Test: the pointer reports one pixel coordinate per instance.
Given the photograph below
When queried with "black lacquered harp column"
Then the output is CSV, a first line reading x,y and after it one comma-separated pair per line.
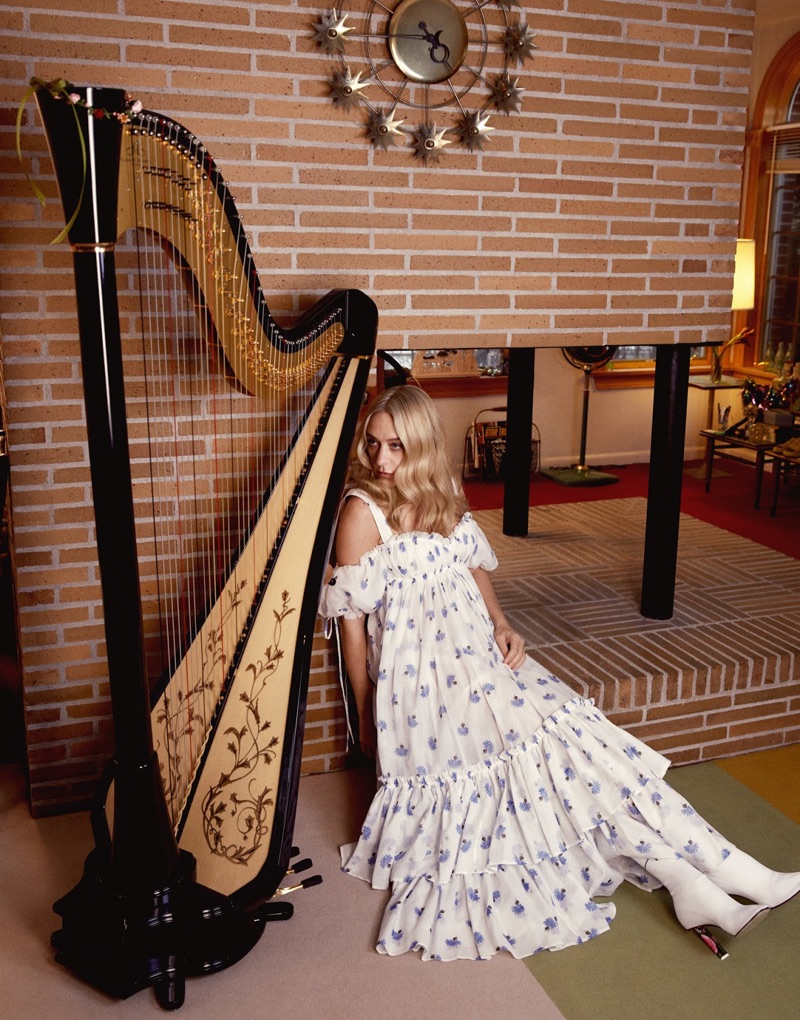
x,y
90,186
168,892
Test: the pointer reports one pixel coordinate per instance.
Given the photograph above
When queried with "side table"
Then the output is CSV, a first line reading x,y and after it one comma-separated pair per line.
x,y
719,443
782,465
705,382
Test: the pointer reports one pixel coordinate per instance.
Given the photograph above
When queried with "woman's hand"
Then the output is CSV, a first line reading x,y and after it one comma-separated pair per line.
x,y
512,645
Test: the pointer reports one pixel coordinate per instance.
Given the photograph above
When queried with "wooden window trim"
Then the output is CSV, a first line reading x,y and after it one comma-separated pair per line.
x,y
771,108
642,374
454,386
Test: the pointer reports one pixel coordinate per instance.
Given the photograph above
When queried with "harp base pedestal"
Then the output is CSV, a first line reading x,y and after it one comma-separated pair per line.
x,y
121,944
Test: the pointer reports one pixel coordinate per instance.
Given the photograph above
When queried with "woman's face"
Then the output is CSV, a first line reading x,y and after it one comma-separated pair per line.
x,y
384,448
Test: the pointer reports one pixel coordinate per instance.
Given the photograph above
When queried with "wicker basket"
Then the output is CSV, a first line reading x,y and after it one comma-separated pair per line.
x,y
496,451
485,446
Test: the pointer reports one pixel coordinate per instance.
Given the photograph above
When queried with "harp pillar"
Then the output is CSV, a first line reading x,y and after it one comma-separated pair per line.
x,y
135,918
93,147
145,912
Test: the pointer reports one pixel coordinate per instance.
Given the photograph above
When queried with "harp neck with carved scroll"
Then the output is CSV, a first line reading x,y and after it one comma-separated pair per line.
x,y
211,550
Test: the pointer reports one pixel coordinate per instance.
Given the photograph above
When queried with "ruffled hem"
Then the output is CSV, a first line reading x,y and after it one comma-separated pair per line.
x,y
475,917
519,806
514,833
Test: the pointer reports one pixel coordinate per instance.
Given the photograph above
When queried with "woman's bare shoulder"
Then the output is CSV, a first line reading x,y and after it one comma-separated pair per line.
x,y
355,510
357,532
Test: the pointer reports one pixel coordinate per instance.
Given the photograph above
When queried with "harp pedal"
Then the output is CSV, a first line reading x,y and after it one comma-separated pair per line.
x,y
303,865
306,883
294,869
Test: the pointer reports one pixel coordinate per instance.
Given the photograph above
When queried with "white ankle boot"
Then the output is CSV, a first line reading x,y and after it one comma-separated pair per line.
x,y
699,902
741,875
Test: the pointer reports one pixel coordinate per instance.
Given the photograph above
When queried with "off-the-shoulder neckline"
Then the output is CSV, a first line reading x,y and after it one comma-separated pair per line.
x,y
466,516
433,534
366,498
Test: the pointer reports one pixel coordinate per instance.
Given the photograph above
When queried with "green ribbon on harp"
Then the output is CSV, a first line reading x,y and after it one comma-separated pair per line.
x,y
58,89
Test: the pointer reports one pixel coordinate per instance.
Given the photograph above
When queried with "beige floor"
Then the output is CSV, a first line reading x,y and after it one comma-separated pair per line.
x,y
319,964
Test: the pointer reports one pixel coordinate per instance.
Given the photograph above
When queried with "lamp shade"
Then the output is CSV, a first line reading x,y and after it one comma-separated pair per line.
x,y
744,275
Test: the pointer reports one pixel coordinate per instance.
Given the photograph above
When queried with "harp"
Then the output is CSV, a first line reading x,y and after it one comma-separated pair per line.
x,y
212,536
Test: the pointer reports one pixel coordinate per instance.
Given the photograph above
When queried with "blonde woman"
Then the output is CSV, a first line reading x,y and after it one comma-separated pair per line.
x,y
505,802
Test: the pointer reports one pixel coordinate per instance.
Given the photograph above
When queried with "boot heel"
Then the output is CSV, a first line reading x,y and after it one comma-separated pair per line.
x,y
713,944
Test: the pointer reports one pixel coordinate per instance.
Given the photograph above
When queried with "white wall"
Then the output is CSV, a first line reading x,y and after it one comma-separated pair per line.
x,y
619,420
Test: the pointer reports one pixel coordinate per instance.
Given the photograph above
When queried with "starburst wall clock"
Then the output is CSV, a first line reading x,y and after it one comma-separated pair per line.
x,y
428,73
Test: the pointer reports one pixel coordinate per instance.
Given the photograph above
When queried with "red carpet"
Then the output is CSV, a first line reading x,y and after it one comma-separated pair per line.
x,y
728,505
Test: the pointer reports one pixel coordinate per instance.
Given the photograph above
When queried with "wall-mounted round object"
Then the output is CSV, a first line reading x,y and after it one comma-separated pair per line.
x,y
450,61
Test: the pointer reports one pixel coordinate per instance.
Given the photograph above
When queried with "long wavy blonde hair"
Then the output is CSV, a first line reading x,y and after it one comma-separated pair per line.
x,y
424,480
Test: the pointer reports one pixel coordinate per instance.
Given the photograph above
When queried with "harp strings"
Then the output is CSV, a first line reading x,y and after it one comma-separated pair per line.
x,y
183,408
206,450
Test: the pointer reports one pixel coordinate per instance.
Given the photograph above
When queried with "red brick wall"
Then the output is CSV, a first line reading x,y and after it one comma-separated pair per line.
x,y
609,203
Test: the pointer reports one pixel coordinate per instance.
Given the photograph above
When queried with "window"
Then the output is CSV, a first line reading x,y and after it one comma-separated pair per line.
x,y
466,372
636,367
771,214
478,361
780,312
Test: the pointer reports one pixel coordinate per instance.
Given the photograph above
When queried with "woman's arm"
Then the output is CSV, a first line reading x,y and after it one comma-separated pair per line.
x,y
354,650
510,642
356,534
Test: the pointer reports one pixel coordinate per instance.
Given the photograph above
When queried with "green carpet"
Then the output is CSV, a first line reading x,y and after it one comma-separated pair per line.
x,y
648,968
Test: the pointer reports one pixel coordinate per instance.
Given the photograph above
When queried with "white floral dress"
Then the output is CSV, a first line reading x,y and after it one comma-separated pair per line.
x,y
505,802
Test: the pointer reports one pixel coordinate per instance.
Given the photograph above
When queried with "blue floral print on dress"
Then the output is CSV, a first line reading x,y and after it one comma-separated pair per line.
x,y
512,796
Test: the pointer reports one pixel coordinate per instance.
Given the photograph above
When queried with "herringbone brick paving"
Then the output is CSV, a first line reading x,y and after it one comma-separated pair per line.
x,y
721,677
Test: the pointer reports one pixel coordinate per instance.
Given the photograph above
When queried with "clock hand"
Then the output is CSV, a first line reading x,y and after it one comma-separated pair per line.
x,y
436,45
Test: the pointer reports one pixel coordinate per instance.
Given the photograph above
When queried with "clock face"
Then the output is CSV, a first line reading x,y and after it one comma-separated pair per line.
x,y
428,39
427,73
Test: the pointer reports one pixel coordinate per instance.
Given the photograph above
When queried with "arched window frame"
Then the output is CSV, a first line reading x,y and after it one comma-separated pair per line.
x,y
776,96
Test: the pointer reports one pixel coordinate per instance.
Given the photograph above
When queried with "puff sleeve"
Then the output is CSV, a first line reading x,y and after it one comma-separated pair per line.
x,y
478,551
354,590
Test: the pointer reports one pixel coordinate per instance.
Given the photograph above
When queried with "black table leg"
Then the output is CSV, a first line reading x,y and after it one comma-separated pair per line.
x,y
519,414
709,462
759,476
670,398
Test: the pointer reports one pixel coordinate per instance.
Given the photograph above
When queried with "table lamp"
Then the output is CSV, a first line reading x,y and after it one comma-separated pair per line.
x,y
742,299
